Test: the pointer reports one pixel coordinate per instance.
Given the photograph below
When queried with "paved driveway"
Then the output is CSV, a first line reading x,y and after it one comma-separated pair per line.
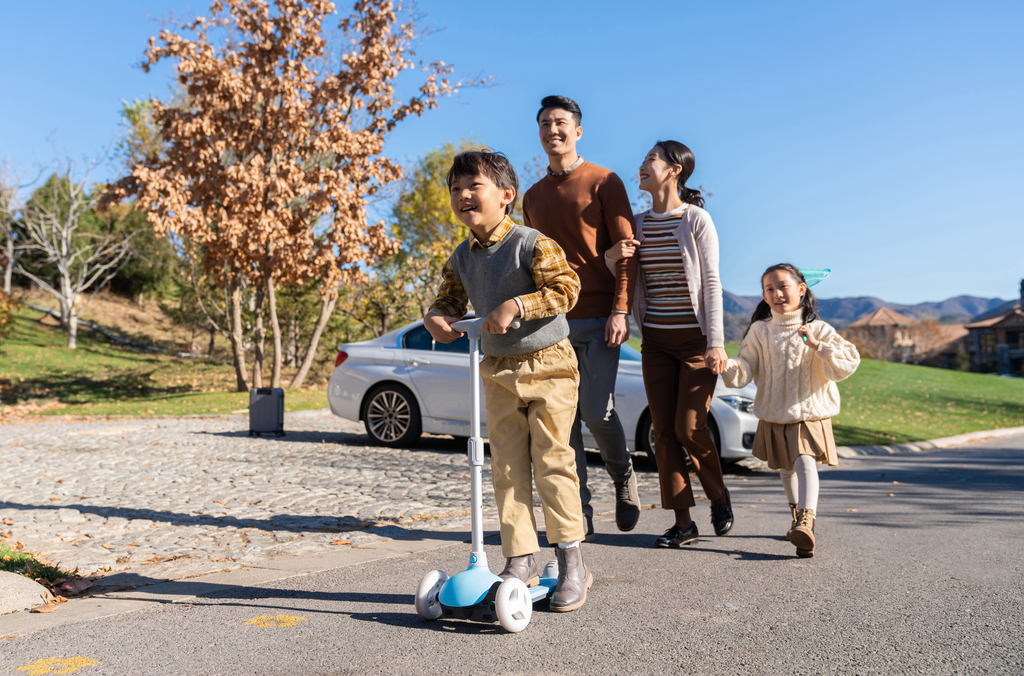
x,y
177,497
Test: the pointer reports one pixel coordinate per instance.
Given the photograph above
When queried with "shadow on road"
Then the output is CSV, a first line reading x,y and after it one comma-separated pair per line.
x,y
283,522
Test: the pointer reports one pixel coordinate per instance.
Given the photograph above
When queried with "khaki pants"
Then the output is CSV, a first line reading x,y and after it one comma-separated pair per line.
x,y
531,402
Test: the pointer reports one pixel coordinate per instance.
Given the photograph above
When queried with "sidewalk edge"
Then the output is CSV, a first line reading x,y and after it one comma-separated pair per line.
x,y
919,446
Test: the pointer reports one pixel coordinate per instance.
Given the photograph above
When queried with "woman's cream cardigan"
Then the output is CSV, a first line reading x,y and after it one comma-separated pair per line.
x,y
794,382
698,242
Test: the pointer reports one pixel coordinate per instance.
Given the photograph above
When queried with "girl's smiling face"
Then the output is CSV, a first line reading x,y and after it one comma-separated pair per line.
x,y
782,291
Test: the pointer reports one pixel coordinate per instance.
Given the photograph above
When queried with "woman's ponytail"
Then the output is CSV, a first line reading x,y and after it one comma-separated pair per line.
x,y
677,153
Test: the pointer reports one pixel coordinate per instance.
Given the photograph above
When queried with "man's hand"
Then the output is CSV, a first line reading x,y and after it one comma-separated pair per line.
x,y
616,330
440,329
501,317
716,359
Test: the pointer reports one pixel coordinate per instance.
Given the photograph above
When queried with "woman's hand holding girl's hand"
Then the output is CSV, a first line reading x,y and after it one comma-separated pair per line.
x,y
716,359
624,248
805,333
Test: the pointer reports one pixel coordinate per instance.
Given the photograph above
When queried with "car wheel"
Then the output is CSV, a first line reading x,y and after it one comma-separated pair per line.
x,y
392,416
715,436
645,438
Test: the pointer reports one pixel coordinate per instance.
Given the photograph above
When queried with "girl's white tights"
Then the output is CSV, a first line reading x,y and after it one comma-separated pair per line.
x,y
801,483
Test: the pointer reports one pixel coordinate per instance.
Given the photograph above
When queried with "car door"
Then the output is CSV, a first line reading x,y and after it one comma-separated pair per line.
x,y
440,374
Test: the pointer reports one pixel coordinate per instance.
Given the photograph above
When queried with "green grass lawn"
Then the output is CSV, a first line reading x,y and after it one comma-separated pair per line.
x,y
39,374
886,403
17,560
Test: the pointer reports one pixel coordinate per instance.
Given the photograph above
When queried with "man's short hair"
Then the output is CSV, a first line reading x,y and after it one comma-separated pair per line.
x,y
493,165
563,102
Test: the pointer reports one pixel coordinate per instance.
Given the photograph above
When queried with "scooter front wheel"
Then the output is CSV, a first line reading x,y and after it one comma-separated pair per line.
x,y
427,605
513,605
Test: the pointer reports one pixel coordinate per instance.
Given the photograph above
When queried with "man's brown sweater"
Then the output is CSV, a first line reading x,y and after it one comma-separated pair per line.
x,y
586,211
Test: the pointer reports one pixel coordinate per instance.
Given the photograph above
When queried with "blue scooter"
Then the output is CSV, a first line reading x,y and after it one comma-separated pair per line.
x,y
476,593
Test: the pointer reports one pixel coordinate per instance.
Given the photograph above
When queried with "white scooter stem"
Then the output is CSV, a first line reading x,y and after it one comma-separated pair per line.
x,y
474,328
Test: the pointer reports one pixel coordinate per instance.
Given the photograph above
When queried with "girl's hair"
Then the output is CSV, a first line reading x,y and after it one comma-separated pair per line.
x,y
484,162
676,153
763,311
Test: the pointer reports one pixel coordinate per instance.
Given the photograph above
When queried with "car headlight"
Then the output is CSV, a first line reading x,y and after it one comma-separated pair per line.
x,y
745,404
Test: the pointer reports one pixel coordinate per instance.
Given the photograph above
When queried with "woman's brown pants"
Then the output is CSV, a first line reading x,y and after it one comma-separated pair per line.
x,y
679,389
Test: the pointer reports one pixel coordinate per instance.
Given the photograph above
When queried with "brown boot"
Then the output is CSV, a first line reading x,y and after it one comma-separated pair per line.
x,y
573,580
523,568
792,509
803,535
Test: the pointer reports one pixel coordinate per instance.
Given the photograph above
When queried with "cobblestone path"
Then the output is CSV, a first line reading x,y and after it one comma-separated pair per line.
x,y
173,497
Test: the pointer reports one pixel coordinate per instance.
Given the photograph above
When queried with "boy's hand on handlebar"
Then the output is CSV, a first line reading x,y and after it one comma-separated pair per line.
x,y
624,248
439,327
501,317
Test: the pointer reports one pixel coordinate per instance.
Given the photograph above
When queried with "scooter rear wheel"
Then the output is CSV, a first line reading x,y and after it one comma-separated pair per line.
x,y
427,605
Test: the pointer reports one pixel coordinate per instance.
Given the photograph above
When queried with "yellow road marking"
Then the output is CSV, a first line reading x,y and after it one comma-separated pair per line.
x,y
276,620
58,665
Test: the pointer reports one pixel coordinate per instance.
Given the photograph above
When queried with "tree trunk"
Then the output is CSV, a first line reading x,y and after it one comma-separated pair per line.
x,y
9,267
275,328
72,331
325,314
237,346
261,333
213,339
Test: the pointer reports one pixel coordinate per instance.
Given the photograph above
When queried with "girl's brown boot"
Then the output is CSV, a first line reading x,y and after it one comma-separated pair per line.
x,y
792,509
803,534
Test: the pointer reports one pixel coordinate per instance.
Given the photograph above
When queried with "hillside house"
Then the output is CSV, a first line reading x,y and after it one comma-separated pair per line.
x,y
996,339
890,336
883,334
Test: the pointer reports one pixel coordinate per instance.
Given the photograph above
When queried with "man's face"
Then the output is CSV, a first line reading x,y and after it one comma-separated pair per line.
x,y
558,132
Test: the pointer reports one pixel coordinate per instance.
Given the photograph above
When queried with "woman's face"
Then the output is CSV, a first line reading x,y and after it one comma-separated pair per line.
x,y
656,171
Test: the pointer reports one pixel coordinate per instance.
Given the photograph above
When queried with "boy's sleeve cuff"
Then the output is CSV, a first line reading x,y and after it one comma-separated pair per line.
x,y
522,308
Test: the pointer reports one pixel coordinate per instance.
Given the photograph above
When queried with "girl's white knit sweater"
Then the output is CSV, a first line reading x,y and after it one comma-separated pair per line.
x,y
794,382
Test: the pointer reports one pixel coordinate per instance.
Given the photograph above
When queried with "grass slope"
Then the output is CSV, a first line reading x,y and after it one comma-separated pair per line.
x,y
39,375
885,403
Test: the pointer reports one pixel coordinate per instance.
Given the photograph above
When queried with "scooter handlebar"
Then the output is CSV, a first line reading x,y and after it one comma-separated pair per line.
x,y
474,327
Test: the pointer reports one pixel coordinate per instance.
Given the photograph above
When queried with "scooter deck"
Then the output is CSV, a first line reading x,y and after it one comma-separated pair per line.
x,y
543,590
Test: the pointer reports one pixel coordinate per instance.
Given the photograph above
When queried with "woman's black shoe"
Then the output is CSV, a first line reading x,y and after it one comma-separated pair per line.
x,y
721,516
676,536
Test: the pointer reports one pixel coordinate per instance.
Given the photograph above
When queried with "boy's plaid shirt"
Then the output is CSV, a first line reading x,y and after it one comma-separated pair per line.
x,y
558,287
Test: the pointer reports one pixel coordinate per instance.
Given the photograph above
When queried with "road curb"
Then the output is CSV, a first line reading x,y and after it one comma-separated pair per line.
x,y
188,589
919,446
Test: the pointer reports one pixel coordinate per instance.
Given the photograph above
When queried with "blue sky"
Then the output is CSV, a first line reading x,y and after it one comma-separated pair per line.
x,y
884,140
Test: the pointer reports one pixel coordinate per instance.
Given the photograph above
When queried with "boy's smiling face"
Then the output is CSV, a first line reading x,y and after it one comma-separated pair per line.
x,y
480,204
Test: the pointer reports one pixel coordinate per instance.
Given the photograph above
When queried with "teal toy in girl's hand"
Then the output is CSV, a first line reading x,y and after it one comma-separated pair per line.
x,y
814,276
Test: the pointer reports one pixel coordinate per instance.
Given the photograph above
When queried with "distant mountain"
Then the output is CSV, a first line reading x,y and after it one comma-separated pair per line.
x,y
840,312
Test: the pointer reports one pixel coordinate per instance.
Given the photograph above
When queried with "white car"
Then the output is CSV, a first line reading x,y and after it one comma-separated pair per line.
x,y
404,383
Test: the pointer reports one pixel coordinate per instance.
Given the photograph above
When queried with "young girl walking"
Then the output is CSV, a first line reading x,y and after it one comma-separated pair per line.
x,y
795,359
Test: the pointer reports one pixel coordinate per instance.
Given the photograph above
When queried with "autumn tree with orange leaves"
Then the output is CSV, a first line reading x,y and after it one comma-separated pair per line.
x,y
269,165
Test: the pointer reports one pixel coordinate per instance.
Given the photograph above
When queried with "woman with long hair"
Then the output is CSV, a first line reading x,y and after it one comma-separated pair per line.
x,y
678,307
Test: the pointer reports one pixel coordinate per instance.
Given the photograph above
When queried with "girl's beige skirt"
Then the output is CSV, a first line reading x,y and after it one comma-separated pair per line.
x,y
779,444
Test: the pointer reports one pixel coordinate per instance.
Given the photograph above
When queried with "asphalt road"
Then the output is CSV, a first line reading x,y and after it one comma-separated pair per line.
x,y
918,570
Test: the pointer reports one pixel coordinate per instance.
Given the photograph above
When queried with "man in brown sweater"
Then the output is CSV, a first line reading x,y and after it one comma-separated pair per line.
x,y
585,208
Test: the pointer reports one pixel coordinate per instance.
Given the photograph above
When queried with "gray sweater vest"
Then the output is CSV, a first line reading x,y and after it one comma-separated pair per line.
x,y
501,272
